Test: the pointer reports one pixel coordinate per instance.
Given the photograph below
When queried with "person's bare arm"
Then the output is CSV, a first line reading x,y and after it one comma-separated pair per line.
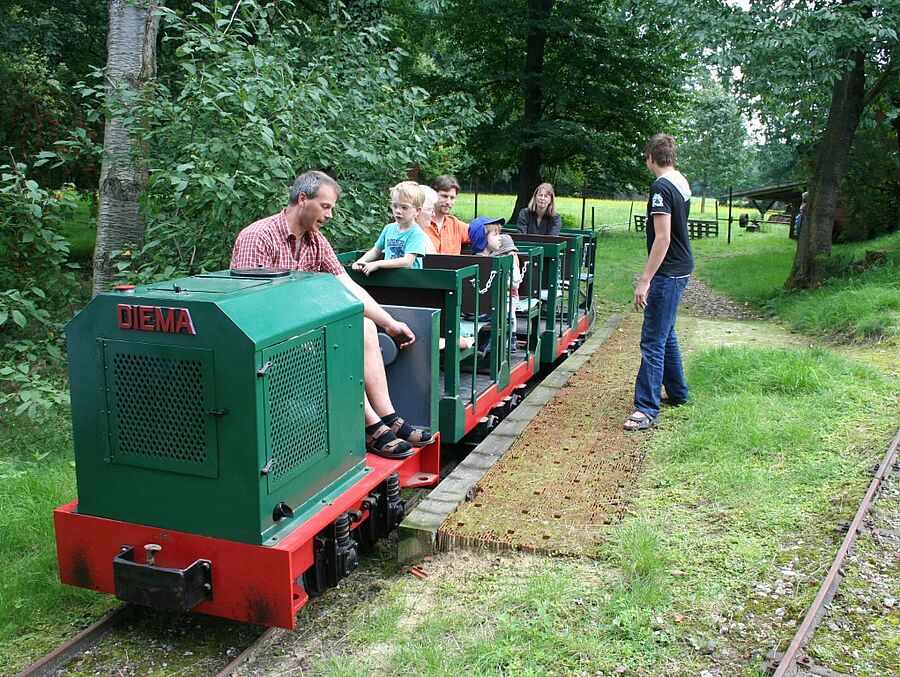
x,y
370,255
405,261
662,228
377,314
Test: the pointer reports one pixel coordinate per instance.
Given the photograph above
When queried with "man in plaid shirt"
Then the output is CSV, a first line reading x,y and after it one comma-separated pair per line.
x,y
291,239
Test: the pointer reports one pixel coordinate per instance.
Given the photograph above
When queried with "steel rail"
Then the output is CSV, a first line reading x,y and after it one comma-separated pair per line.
x,y
50,665
787,666
84,640
248,653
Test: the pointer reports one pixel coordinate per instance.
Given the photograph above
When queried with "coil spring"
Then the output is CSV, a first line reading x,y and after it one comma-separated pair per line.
x,y
342,530
392,485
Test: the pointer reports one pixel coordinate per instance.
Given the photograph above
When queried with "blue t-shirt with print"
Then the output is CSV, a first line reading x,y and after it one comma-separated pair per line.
x,y
396,243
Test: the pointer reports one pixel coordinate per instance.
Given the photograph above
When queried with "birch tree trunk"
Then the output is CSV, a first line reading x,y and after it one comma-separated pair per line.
x,y
131,62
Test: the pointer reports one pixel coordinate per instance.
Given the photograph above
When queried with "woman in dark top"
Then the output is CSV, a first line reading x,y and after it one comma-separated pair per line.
x,y
540,217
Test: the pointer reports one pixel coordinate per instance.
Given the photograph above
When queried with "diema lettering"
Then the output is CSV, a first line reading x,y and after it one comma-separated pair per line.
x,y
155,318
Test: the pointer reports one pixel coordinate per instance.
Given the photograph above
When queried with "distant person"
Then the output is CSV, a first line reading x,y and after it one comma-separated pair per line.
x,y
291,239
426,215
798,220
402,242
540,217
661,285
448,234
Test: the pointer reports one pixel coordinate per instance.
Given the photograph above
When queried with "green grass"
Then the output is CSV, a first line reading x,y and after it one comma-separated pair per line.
x,y
859,305
36,475
606,212
773,450
81,232
560,617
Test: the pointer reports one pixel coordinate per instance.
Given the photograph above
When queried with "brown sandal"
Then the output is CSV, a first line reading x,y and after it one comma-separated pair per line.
x,y
418,437
383,442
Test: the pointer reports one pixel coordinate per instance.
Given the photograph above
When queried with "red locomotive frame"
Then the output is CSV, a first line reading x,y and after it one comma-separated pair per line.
x,y
251,583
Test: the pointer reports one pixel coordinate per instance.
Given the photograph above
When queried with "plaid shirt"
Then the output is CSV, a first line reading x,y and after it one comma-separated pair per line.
x,y
270,243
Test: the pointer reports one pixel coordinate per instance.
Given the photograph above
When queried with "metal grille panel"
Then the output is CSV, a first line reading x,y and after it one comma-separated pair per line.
x,y
296,399
160,410
159,398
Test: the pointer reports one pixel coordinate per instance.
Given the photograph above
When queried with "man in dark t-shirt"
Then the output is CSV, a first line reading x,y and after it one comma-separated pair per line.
x,y
661,285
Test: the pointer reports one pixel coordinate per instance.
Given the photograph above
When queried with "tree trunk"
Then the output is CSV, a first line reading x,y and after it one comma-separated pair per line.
x,y
814,243
533,91
131,62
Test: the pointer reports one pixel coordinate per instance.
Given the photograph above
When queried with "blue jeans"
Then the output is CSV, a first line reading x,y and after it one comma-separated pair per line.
x,y
660,357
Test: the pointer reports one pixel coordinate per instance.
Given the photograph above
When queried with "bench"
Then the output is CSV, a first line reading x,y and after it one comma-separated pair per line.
x,y
697,228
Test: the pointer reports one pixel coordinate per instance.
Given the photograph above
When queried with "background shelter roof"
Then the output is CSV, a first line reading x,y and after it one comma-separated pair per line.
x,y
781,192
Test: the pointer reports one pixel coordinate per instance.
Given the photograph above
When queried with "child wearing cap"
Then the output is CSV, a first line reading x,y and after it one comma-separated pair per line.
x,y
500,244
402,242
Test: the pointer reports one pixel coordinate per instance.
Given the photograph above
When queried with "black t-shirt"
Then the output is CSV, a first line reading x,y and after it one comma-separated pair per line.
x,y
667,198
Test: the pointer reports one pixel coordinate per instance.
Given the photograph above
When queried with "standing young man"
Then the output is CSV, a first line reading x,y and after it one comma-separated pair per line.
x,y
447,233
660,287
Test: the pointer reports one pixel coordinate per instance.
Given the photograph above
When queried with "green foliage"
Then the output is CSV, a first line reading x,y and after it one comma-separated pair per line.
x,y
791,53
784,60
608,82
45,47
570,221
35,278
712,148
871,187
263,96
776,161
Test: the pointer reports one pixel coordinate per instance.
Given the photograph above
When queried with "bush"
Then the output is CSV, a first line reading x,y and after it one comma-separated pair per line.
x,y
569,221
261,98
35,277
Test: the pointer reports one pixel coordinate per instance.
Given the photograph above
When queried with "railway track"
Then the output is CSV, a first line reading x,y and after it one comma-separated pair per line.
x,y
57,660
793,662
80,643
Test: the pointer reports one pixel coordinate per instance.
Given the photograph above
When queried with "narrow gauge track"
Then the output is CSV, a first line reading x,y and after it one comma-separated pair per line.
x,y
80,643
789,663
51,664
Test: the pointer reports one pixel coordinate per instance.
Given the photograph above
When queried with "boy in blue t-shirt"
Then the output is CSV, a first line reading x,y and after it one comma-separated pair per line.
x,y
402,242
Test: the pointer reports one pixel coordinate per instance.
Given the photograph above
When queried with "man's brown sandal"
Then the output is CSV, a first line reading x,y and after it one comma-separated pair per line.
x,y
418,437
383,442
